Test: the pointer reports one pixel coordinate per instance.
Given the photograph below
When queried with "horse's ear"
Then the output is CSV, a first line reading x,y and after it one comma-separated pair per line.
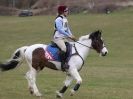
x,y
95,34
91,36
98,33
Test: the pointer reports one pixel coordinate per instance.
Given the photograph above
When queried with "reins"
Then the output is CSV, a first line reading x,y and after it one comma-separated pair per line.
x,y
82,44
79,43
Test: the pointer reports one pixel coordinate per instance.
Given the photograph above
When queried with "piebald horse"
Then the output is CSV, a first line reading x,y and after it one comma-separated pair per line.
x,y
36,59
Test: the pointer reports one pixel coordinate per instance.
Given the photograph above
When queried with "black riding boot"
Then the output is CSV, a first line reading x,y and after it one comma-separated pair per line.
x,y
64,66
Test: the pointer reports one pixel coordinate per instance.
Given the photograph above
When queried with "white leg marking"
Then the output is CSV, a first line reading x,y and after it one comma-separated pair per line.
x,y
31,77
59,95
75,75
27,76
68,80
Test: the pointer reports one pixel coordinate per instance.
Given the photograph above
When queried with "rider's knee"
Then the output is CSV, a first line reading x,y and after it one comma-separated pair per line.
x,y
63,49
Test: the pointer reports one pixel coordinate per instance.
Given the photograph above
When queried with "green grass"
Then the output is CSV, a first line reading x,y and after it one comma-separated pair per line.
x,y
109,77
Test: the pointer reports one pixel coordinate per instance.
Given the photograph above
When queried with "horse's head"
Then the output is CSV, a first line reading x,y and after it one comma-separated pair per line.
x,y
97,42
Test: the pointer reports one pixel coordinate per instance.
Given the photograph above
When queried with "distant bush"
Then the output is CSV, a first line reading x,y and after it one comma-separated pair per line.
x,y
8,11
79,6
41,7
104,8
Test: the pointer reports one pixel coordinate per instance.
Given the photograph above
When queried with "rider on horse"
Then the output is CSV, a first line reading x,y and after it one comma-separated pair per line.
x,y
62,33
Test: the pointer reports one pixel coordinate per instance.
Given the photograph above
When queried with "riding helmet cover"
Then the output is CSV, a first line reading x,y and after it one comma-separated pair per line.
x,y
62,9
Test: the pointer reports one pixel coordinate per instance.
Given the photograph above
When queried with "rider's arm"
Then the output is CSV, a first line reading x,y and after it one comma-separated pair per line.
x,y
59,26
69,31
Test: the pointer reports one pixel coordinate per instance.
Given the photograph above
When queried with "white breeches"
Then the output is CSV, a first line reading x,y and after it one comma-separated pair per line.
x,y
60,43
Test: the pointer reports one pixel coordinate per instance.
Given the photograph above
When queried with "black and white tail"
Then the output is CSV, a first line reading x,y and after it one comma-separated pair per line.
x,y
16,60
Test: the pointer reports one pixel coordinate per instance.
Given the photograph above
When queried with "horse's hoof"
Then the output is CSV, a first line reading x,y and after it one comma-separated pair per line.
x,y
38,94
59,95
72,92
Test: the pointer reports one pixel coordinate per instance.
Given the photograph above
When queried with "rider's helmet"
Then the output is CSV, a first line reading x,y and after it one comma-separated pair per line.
x,y
62,9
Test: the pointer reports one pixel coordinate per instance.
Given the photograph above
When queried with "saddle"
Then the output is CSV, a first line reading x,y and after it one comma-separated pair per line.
x,y
53,52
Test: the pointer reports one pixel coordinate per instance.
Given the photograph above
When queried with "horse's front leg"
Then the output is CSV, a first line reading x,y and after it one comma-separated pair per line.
x,y
67,83
75,75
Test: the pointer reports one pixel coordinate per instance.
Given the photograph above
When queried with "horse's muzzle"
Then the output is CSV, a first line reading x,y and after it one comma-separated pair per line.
x,y
104,54
104,51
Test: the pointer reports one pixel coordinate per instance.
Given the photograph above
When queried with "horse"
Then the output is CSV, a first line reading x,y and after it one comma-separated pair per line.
x,y
37,58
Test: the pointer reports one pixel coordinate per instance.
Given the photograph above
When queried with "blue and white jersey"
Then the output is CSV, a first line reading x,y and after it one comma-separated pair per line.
x,y
62,29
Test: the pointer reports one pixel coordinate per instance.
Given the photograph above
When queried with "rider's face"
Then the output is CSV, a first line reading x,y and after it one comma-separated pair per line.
x,y
66,13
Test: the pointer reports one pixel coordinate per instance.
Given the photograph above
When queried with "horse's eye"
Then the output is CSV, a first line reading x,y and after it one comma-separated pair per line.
x,y
97,40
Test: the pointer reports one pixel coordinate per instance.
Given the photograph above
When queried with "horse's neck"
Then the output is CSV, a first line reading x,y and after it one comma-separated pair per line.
x,y
83,50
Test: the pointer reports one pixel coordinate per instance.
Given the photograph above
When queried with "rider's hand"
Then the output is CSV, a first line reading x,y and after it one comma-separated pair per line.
x,y
73,38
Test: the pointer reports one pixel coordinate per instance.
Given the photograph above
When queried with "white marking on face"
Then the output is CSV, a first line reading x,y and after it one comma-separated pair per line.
x,y
104,51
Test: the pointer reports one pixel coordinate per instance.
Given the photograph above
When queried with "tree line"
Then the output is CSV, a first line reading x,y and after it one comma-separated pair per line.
x,y
17,3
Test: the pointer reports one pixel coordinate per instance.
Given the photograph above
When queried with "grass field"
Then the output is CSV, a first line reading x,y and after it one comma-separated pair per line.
x,y
109,77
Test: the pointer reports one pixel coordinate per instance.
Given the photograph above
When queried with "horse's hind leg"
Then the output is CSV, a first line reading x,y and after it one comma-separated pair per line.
x,y
31,78
67,83
28,77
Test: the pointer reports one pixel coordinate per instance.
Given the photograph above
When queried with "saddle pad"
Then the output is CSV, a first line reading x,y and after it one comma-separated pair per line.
x,y
52,53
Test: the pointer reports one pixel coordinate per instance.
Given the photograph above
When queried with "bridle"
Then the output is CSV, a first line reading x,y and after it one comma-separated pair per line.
x,y
77,53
